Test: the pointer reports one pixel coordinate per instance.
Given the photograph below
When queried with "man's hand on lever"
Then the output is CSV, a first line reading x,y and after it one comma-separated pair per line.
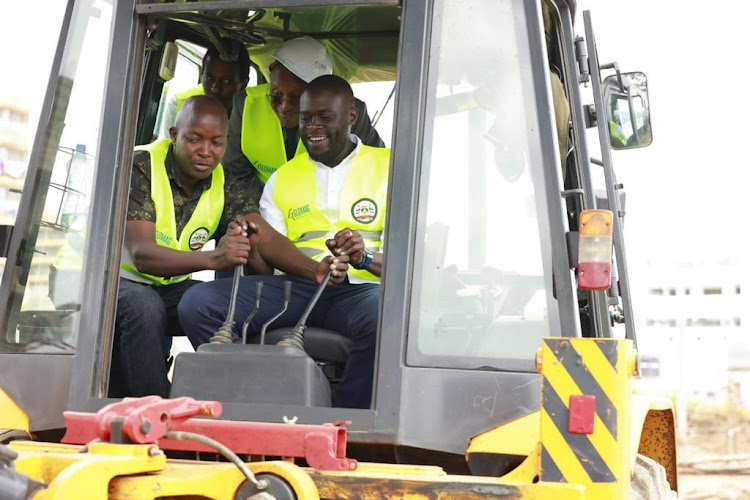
x,y
273,250
350,242
248,229
233,249
251,232
339,266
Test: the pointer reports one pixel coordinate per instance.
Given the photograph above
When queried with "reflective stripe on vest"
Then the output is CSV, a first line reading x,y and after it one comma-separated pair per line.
x,y
185,94
262,138
197,231
362,203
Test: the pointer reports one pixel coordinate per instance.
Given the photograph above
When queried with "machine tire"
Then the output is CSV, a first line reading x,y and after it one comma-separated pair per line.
x,y
649,481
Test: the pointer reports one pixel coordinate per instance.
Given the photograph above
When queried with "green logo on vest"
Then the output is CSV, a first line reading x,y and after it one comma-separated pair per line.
x,y
295,213
263,167
198,239
165,239
364,210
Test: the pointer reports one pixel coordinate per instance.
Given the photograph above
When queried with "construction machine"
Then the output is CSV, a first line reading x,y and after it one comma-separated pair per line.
x,y
506,339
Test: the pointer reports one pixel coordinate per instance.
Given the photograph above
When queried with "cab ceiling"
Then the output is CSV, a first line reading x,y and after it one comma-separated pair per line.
x,y
362,40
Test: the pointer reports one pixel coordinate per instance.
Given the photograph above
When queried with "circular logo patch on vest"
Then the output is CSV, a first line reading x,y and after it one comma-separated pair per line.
x,y
198,238
364,210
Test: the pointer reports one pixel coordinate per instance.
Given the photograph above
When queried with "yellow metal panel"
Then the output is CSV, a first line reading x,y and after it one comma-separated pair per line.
x,y
528,471
140,472
208,480
518,437
86,475
564,385
40,447
400,469
12,417
601,368
560,452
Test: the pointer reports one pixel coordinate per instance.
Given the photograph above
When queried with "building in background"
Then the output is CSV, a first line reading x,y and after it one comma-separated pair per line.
x,y
14,154
692,342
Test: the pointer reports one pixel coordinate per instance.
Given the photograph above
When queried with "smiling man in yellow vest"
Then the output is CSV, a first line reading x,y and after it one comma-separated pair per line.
x,y
329,200
263,129
179,197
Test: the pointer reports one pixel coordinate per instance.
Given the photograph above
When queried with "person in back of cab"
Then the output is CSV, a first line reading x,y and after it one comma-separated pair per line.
x,y
219,78
329,200
180,197
263,130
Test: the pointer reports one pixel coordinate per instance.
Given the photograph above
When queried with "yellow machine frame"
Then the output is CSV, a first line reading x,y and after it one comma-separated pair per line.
x,y
561,463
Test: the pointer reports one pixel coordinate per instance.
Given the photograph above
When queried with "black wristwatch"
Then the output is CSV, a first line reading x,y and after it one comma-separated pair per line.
x,y
366,261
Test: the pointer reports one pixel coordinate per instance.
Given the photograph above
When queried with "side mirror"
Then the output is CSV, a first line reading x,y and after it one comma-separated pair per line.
x,y
628,113
168,61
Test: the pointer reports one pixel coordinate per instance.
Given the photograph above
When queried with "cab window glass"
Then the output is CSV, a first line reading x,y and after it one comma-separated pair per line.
x,y
46,298
378,96
186,77
483,299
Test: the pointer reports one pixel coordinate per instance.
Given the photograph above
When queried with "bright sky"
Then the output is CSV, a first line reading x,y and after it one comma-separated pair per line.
x,y
26,59
684,191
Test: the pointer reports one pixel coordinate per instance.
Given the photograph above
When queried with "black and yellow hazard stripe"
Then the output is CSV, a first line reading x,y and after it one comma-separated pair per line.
x,y
595,367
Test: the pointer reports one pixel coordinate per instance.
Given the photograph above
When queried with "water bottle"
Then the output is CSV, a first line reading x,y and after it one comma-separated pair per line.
x,y
75,205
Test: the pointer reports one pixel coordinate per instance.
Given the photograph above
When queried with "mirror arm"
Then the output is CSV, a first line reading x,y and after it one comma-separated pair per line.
x,y
614,66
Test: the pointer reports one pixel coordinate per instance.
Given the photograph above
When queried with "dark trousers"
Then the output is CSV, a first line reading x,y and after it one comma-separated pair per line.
x,y
350,310
146,319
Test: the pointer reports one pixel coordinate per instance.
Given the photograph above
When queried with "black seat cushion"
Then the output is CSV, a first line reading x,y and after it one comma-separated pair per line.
x,y
320,344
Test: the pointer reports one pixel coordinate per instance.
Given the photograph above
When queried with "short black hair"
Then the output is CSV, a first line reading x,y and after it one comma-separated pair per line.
x,y
334,84
238,54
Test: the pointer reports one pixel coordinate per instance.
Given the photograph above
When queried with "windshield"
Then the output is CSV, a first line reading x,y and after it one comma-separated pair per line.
x,y
46,283
483,296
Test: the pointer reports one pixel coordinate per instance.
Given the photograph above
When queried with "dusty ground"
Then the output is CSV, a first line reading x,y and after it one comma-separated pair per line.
x,y
715,434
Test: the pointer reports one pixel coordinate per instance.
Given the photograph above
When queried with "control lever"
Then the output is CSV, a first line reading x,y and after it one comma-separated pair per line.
x,y
224,334
258,290
287,299
296,336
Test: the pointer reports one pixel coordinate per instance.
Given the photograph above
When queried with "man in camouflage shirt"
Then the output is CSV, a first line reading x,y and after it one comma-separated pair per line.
x,y
179,197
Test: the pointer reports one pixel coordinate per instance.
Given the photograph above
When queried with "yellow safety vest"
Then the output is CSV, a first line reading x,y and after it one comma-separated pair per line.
x,y
197,231
185,94
262,138
362,203
617,133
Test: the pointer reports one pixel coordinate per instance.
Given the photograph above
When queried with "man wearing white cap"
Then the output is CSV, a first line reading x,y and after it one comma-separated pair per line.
x,y
263,130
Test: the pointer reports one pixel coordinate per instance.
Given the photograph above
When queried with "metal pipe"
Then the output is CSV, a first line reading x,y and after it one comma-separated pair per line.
x,y
314,300
261,484
258,290
287,299
224,334
296,336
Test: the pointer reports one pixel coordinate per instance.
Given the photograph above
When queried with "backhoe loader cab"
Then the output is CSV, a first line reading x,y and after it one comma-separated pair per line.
x,y
482,105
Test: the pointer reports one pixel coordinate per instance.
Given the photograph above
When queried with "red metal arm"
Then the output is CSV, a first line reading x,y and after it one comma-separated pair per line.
x,y
323,446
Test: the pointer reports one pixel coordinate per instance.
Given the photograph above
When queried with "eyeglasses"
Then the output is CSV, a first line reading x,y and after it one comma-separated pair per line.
x,y
277,99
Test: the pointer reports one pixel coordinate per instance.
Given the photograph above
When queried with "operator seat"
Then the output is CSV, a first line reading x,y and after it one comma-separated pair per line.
x,y
320,344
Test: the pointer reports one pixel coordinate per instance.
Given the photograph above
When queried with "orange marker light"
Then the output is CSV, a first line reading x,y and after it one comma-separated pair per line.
x,y
594,249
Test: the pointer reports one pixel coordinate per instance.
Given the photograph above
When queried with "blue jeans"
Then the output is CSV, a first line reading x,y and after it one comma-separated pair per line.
x,y
146,320
351,310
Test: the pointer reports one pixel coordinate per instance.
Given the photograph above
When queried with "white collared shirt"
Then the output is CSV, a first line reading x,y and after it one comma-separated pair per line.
x,y
330,182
